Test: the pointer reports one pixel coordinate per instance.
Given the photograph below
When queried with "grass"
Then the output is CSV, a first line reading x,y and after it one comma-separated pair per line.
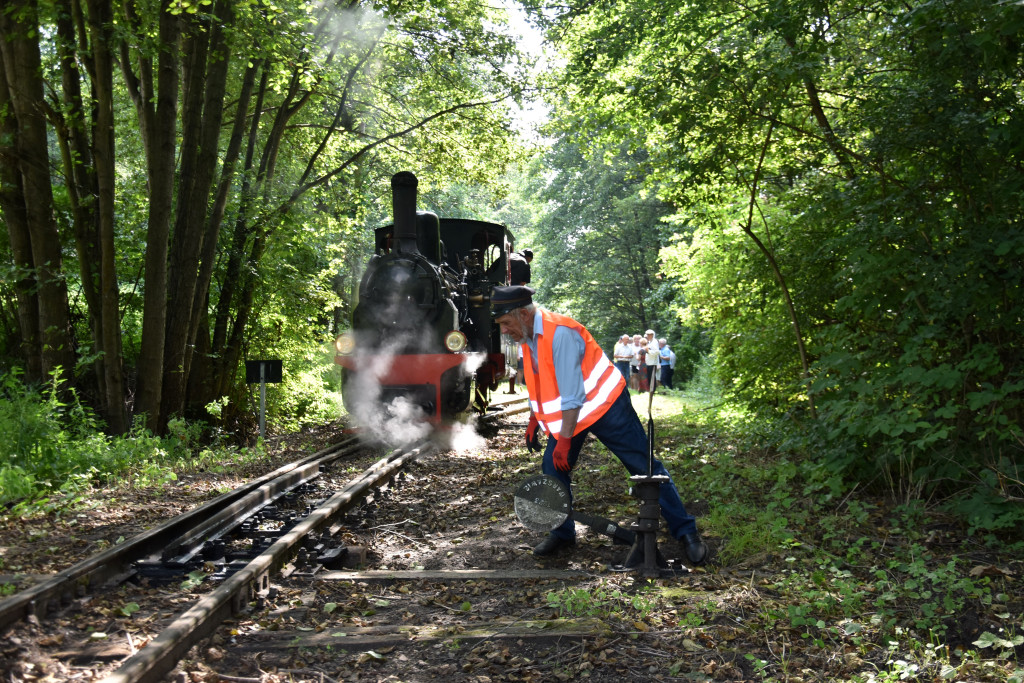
x,y
896,586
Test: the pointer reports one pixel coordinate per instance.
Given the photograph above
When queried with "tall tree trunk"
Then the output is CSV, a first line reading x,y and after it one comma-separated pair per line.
x,y
19,34
293,102
12,204
158,125
233,350
190,212
80,177
236,254
101,30
203,385
206,78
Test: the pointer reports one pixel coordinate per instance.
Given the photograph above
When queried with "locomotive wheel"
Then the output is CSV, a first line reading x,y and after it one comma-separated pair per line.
x,y
456,391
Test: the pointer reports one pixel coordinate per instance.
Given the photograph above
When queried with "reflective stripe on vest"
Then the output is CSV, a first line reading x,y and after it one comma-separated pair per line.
x,y
602,382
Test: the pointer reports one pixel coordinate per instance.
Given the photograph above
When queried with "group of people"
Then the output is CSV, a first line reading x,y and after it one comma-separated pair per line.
x,y
638,358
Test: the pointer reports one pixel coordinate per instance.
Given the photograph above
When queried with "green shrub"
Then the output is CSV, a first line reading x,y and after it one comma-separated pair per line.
x,y
308,395
50,444
41,434
15,483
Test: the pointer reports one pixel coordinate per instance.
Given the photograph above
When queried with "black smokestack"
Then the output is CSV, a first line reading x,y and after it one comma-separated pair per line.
x,y
403,200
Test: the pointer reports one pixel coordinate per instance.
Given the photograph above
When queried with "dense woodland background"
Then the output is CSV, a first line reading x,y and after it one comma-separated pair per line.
x,y
818,203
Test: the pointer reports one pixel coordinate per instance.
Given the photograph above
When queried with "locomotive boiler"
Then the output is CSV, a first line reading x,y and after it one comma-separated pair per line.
x,y
422,347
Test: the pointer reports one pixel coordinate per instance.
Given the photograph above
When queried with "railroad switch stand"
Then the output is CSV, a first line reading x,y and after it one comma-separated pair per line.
x,y
644,556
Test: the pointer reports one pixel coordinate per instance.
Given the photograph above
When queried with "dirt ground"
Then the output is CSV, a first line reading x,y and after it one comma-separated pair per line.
x,y
453,510
566,617
518,617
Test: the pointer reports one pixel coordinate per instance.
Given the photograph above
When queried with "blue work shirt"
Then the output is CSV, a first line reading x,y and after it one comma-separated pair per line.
x,y
567,355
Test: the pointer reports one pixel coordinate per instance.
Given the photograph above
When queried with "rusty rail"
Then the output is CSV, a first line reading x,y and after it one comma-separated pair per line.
x,y
161,655
115,562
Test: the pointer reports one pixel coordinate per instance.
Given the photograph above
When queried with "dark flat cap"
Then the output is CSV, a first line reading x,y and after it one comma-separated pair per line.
x,y
505,299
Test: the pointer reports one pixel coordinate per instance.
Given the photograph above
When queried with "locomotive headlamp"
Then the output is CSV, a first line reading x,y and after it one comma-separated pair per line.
x,y
345,344
455,341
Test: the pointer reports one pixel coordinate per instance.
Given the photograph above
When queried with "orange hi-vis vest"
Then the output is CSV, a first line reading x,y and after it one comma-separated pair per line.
x,y
602,381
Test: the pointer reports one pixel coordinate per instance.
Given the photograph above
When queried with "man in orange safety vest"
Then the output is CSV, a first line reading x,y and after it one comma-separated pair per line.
x,y
575,391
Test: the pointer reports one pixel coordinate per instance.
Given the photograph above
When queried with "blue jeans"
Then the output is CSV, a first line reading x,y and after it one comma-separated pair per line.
x,y
666,376
621,432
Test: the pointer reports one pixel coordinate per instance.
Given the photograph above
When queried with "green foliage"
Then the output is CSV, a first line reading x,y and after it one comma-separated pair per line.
x,y
867,163
16,483
600,602
703,386
899,590
53,450
44,437
309,397
598,243
996,642
193,580
341,98
129,608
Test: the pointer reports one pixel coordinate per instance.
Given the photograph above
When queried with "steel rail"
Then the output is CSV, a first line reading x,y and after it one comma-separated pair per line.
x,y
115,561
161,655
506,400
491,417
233,515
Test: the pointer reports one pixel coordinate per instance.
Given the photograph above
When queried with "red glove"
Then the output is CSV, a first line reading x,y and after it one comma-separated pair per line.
x,y
532,437
561,454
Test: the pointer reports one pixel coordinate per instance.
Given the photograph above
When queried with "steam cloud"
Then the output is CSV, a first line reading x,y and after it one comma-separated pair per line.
x,y
396,423
400,421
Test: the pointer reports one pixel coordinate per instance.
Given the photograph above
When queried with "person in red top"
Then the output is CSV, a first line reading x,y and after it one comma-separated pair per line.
x,y
575,391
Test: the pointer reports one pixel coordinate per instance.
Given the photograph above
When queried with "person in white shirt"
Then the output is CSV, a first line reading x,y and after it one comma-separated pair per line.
x,y
623,354
634,364
653,358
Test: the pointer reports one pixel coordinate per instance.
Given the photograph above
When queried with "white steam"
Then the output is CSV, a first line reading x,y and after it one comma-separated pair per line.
x,y
356,29
463,438
397,422
473,362
400,421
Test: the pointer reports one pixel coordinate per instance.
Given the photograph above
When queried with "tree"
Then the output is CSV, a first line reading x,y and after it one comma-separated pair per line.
x,y
269,123
601,235
28,197
848,170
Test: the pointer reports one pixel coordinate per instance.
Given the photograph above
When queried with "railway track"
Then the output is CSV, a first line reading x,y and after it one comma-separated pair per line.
x,y
505,406
207,520
230,597
447,583
200,539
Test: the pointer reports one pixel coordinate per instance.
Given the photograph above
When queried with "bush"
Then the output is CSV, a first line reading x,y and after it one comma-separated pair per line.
x,y
42,437
49,443
308,396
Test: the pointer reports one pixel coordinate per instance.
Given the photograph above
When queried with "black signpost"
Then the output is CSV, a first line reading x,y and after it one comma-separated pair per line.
x,y
264,372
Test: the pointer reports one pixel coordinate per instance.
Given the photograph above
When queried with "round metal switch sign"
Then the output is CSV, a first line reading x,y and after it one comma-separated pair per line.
x,y
542,503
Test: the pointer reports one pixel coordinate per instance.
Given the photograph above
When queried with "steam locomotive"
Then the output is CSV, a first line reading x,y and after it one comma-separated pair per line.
x,y
423,347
